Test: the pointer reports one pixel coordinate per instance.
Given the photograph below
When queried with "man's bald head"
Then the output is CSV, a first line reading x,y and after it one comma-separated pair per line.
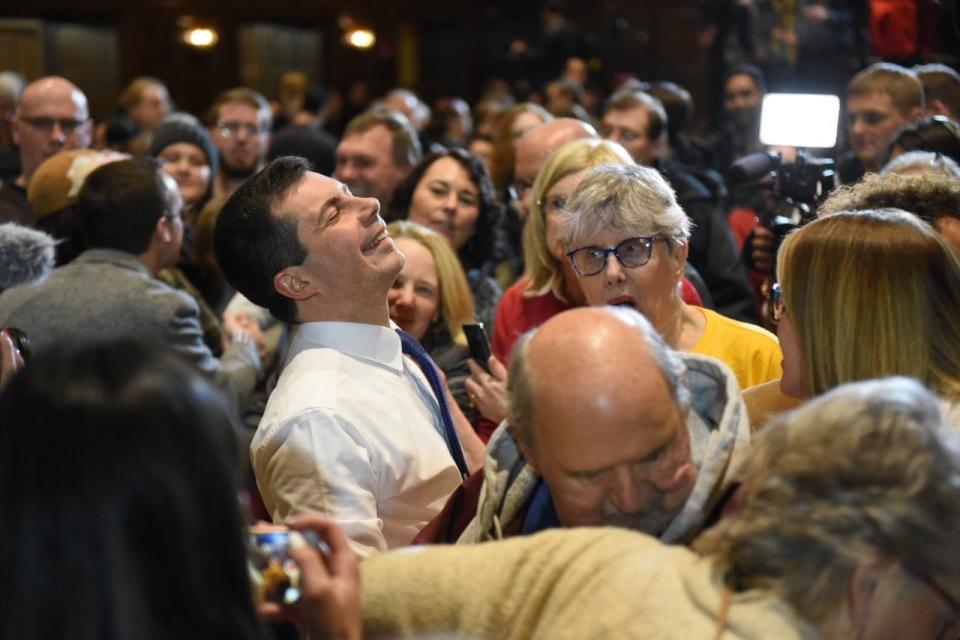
x,y
52,116
594,396
535,147
594,345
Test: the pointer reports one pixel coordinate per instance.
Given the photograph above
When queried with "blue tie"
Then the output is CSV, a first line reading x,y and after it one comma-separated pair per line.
x,y
413,349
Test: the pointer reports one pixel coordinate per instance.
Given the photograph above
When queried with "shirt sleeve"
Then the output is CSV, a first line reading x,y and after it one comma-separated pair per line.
x,y
316,462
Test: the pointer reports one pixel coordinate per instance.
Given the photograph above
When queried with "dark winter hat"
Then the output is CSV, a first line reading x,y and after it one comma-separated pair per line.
x,y
173,130
183,127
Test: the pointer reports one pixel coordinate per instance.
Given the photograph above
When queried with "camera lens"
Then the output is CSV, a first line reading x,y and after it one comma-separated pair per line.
x,y
20,341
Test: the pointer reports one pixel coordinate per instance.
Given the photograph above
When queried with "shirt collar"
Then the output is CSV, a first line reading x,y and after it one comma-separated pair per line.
x,y
370,342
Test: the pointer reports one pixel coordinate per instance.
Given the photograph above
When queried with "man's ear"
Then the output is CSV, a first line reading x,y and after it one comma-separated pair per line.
x,y
662,145
916,113
291,283
162,231
525,447
15,129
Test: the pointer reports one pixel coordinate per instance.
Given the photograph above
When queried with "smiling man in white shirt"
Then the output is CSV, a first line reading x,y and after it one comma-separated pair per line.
x,y
353,428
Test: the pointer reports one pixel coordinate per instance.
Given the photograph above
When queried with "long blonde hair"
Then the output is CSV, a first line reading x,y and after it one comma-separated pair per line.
x,y
456,301
873,293
541,267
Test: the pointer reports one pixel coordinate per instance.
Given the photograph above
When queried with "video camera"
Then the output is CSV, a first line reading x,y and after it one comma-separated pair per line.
x,y
801,184
785,194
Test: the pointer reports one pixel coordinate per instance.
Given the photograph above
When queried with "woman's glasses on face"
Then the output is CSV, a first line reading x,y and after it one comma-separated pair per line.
x,y
631,253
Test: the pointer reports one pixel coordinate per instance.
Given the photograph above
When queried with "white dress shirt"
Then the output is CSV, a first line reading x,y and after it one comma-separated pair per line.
x,y
351,430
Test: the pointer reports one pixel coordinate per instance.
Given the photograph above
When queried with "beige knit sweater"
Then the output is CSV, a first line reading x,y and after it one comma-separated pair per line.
x,y
572,583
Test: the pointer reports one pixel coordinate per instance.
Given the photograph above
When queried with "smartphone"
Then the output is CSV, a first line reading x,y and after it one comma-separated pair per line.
x,y
274,574
479,345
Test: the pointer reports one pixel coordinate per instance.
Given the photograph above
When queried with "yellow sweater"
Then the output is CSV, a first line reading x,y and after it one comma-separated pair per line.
x,y
563,583
751,352
765,402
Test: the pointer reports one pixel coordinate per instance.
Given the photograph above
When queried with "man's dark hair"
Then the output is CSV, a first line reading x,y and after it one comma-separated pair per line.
x,y
150,511
747,70
120,203
939,134
252,244
631,98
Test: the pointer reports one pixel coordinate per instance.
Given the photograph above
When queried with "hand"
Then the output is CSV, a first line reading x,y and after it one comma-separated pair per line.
x,y
329,605
11,360
760,246
234,323
488,391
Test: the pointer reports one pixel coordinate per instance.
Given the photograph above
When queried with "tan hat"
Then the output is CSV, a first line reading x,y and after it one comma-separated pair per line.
x,y
57,181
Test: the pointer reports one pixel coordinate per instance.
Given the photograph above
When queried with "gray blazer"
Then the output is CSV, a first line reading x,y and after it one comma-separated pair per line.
x,y
106,294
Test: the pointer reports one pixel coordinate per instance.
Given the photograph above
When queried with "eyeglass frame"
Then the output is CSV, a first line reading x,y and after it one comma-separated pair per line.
x,y
230,129
68,126
607,251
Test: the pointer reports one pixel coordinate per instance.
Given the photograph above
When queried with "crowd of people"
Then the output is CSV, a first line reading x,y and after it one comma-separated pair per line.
x,y
711,408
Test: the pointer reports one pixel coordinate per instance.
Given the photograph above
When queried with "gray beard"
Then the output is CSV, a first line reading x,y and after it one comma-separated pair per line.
x,y
652,521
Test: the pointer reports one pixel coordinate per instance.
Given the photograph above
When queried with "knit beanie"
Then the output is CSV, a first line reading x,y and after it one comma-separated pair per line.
x,y
174,129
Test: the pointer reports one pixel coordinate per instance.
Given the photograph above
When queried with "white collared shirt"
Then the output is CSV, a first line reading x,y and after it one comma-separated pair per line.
x,y
349,432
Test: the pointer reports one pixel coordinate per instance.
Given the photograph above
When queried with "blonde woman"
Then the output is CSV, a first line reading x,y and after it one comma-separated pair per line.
x,y
431,301
863,294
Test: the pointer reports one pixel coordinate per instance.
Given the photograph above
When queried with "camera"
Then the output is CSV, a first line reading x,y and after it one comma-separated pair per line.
x,y
785,194
20,341
801,184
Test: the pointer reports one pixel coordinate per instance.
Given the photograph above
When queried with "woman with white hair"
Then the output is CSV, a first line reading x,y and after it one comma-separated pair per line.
x,y
627,241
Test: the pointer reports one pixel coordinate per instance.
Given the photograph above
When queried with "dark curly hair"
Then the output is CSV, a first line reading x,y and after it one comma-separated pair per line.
x,y
487,246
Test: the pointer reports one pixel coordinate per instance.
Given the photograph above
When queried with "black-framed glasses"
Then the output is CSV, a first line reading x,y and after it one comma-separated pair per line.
x,y
631,253
67,125
228,129
777,306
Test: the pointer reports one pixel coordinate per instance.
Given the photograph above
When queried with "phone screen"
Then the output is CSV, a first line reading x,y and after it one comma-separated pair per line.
x,y
479,345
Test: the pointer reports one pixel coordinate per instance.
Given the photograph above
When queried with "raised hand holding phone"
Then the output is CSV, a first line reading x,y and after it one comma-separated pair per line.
x,y
487,384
